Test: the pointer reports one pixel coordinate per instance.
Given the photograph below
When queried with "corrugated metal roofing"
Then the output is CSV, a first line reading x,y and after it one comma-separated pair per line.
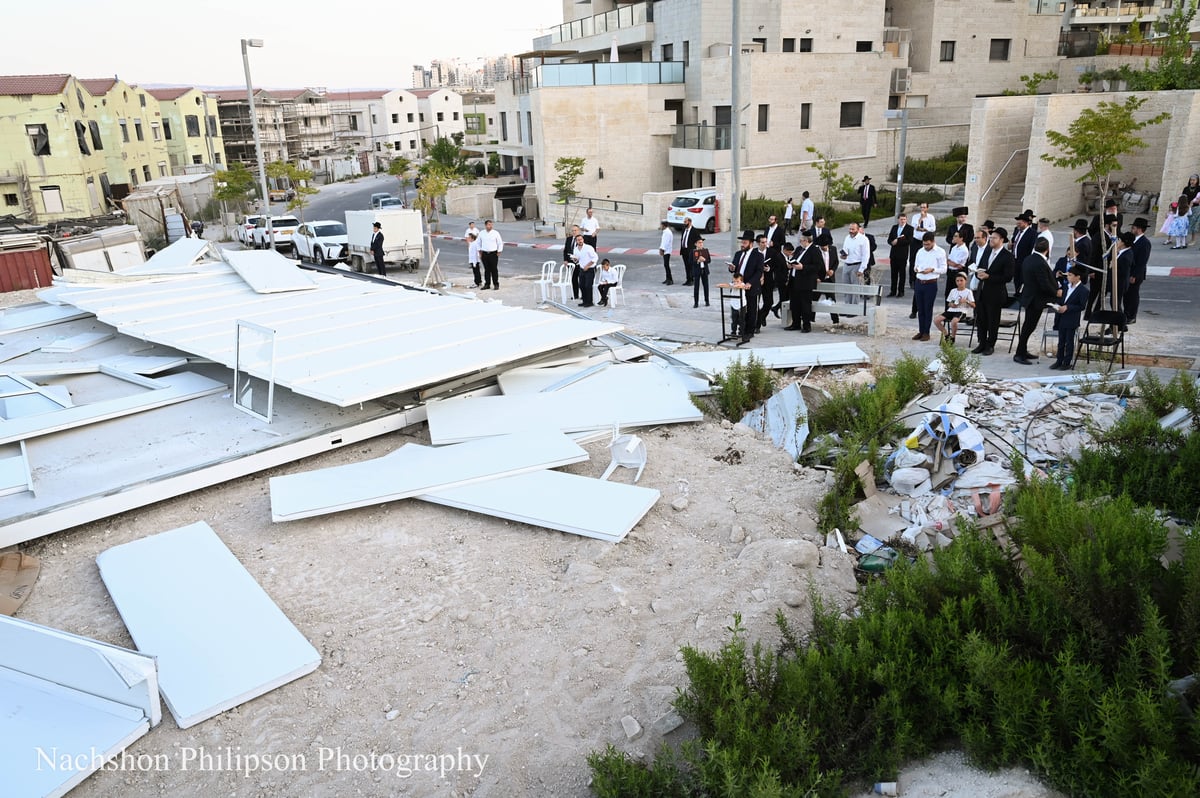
x,y
345,342
33,84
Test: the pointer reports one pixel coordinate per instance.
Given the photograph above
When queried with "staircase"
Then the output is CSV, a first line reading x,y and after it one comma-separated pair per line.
x,y
1010,203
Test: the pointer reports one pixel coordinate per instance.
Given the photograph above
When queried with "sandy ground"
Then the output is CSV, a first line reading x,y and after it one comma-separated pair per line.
x,y
464,655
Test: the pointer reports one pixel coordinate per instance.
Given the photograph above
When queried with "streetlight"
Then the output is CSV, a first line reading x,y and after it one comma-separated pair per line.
x,y
262,169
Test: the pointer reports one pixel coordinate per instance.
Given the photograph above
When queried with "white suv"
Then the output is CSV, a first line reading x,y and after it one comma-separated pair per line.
x,y
321,242
244,231
284,227
699,205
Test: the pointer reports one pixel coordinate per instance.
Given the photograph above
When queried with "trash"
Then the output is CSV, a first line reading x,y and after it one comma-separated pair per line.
x,y
886,788
18,572
867,544
628,451
879,561
911,481
866,478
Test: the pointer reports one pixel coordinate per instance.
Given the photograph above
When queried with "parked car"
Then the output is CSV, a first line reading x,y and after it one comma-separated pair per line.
x,y
321,242
376,198
390,202
700,205
243,232
284,227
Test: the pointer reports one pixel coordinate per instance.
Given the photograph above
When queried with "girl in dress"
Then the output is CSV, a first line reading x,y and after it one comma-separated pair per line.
x,y
1179,225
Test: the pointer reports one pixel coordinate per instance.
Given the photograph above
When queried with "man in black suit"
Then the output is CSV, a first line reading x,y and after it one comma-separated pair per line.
x,y
776,269
995,270
960,226
1038,289
569,257
866,199
808,269
747,270
1137,274
1066,319
899,238
687,248
1022,244
377,248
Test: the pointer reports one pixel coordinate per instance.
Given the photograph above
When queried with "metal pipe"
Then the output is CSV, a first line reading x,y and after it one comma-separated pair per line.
x,y
735,134
262,169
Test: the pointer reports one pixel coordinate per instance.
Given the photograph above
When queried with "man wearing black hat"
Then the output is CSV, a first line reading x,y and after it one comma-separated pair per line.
x,y
1022,244
1078,251
747,268
899,238
866,199
377,248
1137,274
808,269
1038,289
960,226
995,270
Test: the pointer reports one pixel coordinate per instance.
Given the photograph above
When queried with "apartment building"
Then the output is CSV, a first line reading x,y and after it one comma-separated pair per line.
x,y
190,128
311,122
659,116
376,125
129,118
440,112
53,149
277,127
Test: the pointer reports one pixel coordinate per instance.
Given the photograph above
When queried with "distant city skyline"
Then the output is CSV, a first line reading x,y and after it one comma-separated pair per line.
x,y
201,45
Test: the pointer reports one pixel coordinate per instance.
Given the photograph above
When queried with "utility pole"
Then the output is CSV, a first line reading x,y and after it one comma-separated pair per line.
x,y
903,157
735,134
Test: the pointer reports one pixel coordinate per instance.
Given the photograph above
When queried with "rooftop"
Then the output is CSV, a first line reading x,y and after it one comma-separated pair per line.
x,y
33,84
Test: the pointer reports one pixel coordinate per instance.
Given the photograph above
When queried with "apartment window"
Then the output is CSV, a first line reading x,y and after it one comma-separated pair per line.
x,y
412,143
142,100
137,129
396,144
687,53
441,117
216,157
94,129
763,114
11,200
999,49
353,122
198,159
862,47
162,168
668,52
52,199
947,53
133,178
39,139
166,129
124,130
395,119
806,45
455,116
155,133
805,116
852,115
410,117
81,135
762,43
307,122
378,146
529,124
211,123
789,45
146,172
192,122
503,126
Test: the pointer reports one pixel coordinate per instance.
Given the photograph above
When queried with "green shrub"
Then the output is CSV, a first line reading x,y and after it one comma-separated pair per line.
x,y
742,386
942,169
961,367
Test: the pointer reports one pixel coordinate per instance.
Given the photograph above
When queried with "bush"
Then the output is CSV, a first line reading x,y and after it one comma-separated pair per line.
x,y
946,167
887,199
742,386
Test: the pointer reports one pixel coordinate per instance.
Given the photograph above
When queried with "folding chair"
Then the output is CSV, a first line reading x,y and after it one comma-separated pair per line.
x,y
544,282
619,286
1049,349
1104,330
563,283
1010,327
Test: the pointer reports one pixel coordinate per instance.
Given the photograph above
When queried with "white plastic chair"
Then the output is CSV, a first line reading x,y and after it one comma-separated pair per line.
x,y
618,286
544,282
563,283
628,451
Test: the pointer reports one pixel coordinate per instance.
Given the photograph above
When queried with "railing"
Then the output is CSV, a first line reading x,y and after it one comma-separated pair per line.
x,y
1120,11
623,17
992,185
950,179
615,74
582,203
705,137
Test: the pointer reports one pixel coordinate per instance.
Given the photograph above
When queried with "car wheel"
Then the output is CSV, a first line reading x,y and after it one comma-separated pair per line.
x,y
318,256
711,226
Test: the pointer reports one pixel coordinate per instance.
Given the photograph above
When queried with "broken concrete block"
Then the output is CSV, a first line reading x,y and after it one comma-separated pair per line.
x,y
633,729
796,553
667,723
679,504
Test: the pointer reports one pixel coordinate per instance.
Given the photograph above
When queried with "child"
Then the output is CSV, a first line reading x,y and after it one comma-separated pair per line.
x,y
473,257
605,280
1165,230
1178,225
960,297
1066,317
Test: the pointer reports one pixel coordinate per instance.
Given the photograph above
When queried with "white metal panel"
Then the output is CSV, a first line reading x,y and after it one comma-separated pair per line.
x,y
178,256
604,379
413,469
28,317
269,272
778,357
467,418
218,638
76,342
593,508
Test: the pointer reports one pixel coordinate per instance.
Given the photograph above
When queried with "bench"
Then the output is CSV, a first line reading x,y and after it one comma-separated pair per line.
x,y
853,308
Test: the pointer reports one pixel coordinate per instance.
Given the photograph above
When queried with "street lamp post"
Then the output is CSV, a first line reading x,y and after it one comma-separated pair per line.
x,y
262,169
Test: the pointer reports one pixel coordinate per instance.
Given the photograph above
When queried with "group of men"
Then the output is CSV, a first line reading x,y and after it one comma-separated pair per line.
x,y
579,252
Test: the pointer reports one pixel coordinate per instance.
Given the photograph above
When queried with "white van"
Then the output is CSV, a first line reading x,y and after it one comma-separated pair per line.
x,y
699,205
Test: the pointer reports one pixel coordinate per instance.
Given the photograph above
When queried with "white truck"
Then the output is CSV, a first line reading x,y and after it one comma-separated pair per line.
x,y
403,242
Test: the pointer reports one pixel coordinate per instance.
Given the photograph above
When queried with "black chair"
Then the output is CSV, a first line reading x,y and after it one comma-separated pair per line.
x,y
1104,330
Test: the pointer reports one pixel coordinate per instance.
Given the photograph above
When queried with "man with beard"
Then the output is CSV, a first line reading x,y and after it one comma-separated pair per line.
x,y
994,273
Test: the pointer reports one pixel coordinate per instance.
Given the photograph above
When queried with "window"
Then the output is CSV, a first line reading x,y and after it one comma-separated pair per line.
x,y
378,146
353,121
397,144
999,49
373,119
763,113
422,117
789,45
806,45
212,125
852,114
687,53
133,178
192,122
94,129
137,129
947,53
162,168
197,159
216,157
410,117
142,100
146,172
11,200
52,199
503,126
155,132
762,43
805,116
81,135
124,130
668,52
412,143
862,47
395,119
39,139
441,117
529,124
167,129
455,116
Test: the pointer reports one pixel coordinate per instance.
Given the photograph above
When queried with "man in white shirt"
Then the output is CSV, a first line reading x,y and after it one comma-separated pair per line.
x,y
929,266
471,228
1044,232
588,259
665,243
855,253
807,211
788,212
490,247
590,227
922,224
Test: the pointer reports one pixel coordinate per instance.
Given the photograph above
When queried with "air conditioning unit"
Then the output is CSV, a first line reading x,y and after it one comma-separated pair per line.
x,y
901,80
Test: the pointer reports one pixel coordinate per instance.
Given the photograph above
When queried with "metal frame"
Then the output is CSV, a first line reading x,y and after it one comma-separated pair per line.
x,y
238,386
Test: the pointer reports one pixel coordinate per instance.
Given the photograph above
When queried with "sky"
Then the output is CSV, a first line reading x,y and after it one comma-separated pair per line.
x,y
305,43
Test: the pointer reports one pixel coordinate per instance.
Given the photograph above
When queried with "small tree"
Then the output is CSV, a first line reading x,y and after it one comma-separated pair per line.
x,y
234,185
398,168
447,156
1096,140
436,179
1033,82
569,171
299,180
835,183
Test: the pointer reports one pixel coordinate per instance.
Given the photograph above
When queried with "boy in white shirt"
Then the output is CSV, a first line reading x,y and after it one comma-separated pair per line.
x,y
606,278
473,257
957,301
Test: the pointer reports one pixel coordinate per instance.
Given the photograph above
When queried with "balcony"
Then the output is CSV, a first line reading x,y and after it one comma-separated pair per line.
x,y
1117,15
632,22
619,74
705,147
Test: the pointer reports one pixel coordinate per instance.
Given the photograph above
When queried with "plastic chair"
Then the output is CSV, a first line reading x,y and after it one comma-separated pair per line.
x,y
628,451
1104,330
544,282
619,286
563,283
